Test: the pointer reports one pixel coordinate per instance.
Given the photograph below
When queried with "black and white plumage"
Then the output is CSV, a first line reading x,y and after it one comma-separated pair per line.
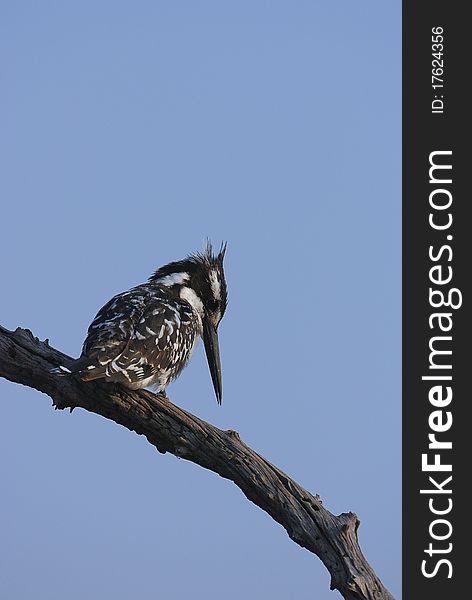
x,y
146,336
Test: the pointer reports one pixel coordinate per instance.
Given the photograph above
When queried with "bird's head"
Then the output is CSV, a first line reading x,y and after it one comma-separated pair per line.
x,y
200,280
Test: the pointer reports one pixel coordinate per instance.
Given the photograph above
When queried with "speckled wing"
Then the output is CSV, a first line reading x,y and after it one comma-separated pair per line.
x,y
112,329
140,339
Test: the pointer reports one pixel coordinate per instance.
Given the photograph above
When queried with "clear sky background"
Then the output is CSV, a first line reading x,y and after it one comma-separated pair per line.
x,y
130,131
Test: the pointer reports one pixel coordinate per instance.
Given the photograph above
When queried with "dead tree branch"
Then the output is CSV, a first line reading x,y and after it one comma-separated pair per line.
x,y
26,360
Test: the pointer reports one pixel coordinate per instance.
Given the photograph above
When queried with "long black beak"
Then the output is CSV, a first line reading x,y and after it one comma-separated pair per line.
x,y
212,349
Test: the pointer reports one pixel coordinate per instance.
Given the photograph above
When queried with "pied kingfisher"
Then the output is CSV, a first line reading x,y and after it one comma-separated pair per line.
x,y
145,336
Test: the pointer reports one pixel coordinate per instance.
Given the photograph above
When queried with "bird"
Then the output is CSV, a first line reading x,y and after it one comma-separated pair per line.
x,y
144,337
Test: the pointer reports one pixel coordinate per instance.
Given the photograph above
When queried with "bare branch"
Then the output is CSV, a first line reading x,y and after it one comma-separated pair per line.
x,y
26,360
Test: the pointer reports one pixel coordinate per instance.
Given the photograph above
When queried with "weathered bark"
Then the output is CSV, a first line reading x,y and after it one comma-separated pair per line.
x,y
26,360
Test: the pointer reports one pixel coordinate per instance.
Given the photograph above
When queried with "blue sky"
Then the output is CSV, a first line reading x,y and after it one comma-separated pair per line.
x,y
130,133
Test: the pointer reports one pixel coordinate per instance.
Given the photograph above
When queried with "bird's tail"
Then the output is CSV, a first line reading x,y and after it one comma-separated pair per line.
x,y
61,370
75,366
